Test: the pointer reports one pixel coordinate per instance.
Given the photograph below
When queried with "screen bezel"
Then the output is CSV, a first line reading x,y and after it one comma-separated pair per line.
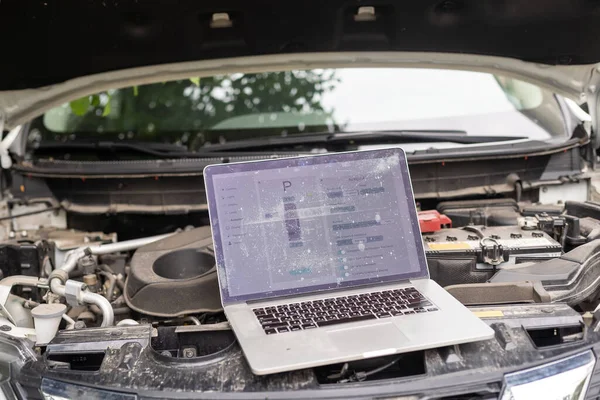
x,y
218,169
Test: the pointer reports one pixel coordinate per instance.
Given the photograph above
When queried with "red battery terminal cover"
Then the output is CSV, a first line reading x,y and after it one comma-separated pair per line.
x,y
433,221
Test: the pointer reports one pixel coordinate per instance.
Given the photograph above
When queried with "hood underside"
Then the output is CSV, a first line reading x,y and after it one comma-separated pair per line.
x,y
61,50
54,41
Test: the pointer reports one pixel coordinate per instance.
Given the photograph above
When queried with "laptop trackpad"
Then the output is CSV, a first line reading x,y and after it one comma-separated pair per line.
x,y
378,337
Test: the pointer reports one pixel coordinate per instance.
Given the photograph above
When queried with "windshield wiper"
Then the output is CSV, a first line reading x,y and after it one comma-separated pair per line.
x,y
327,138
162,150
150,148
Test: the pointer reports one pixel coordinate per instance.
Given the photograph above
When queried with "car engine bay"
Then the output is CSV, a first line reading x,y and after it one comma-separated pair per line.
x,y
145,313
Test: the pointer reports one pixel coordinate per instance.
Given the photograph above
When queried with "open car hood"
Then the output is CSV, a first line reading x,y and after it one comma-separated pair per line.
x,y
59,51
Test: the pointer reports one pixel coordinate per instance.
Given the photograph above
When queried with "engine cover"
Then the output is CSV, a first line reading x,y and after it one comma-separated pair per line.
x,y
174,276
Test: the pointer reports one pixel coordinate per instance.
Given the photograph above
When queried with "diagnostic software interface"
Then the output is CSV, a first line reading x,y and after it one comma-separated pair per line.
x,y
314,225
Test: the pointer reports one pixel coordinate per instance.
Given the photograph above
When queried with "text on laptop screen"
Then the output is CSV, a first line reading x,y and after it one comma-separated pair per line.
x,y
306,227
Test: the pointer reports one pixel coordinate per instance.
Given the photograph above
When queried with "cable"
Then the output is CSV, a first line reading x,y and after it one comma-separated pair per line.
x,y
475,230
120,283
360,375
192,319
30,213
111,286
118,302
70,321
106,268
563,236
121,310
518,191
340,374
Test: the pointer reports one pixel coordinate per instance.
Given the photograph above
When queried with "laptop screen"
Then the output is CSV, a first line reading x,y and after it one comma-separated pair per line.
x,y
300,225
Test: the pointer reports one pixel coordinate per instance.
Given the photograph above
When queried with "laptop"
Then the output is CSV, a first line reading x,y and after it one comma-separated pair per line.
x,y
320,261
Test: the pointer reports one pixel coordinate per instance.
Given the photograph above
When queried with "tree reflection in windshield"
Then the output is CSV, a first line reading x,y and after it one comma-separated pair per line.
x,y
198,111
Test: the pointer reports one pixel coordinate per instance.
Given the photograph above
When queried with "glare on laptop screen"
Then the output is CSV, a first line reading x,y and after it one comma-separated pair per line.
x,y
316,225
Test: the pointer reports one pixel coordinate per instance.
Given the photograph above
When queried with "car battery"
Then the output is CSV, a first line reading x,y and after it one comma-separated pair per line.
x,y
491,247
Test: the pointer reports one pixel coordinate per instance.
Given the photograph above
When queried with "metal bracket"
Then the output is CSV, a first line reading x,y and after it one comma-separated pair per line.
x,y
6,286
6,313
73,291
493,253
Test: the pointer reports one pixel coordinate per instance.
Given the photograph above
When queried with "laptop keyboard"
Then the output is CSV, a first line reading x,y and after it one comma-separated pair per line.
x,y
340,310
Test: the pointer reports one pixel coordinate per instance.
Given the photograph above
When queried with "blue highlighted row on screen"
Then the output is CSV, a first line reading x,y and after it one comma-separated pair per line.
x,y
300,271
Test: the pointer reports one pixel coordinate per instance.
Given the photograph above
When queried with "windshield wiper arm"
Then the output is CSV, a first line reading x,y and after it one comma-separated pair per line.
x,y
150,148
163,150
325,138
454,136
262,143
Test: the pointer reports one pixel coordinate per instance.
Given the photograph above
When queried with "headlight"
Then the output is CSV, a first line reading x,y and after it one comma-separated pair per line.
x,y
566,379
12,357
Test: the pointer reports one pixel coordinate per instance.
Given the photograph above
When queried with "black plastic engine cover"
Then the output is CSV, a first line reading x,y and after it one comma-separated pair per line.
x,y
488,212
22,258
174,276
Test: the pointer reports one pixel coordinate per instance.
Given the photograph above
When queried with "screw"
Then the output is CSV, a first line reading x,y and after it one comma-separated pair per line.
x,y
5,328
544,189
166,353
189,353
24,234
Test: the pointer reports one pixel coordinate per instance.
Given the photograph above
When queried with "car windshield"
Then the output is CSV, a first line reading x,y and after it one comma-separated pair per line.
x,y
200,112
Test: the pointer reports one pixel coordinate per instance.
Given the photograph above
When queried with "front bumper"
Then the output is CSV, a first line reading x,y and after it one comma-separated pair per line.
x,y
132,369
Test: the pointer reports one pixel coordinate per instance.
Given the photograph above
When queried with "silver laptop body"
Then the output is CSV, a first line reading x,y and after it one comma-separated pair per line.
x,y
320,261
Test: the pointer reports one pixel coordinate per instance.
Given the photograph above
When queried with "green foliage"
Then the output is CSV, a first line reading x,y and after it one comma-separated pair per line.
x,y
106,110
84,105
95,100
195,106
80,106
